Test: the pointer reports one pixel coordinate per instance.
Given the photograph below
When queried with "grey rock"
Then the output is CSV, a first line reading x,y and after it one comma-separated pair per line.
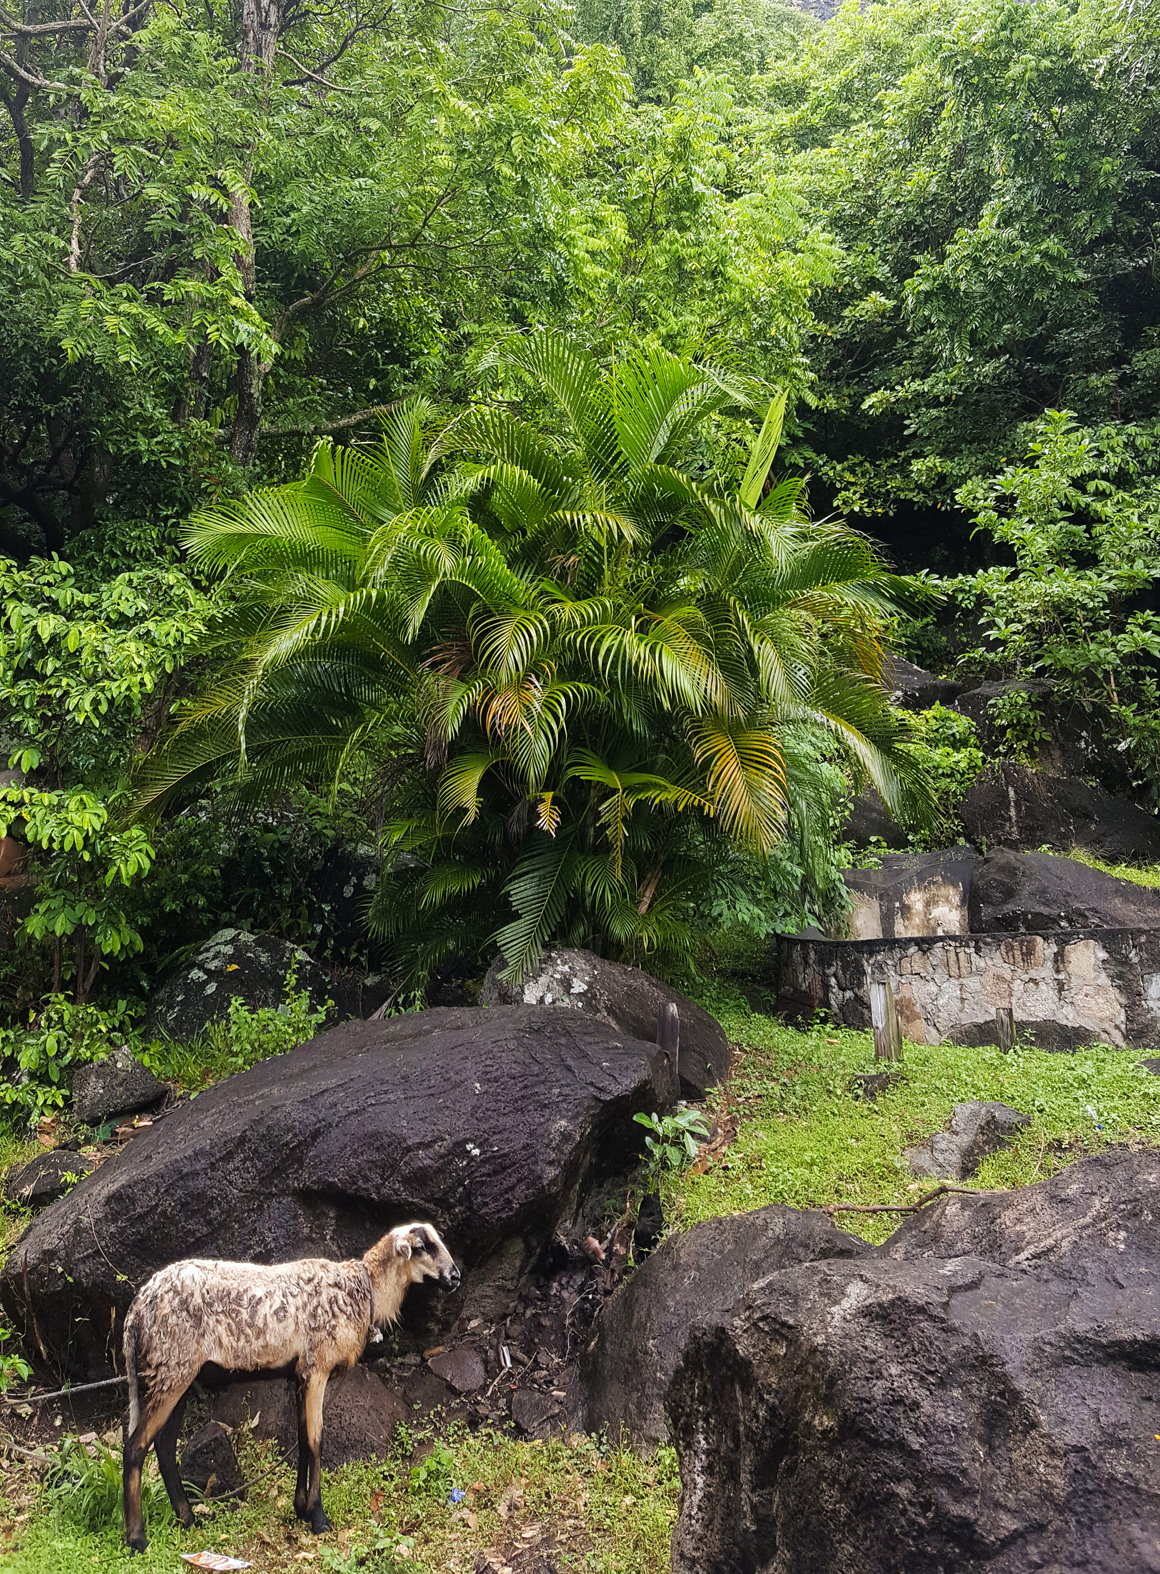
x,y
209,1464
46,1178
462,1368
977,1129
912,894
1013,806
230,964
1021,893
627,1000
491,1124
872,1084
692,1280
117,1085
978,1394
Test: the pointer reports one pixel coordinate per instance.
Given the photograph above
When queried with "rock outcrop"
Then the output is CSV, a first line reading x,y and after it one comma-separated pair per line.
x,y
627,1000
978,1394
1013,806
694,1279
491,1123
231,963
45,1178
1022,893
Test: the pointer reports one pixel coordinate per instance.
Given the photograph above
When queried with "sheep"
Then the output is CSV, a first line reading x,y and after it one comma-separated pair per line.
x,y
302,1319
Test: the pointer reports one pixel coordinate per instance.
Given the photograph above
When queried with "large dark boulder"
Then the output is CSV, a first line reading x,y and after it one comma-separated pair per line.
x,y
232,963
627,1000
117,1085
913,688
1013,806
1021,893
979,1394
693,1279
868,820
491,1124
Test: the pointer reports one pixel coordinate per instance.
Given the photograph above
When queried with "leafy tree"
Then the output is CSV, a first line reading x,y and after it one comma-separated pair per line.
x,y
1080,515
575,671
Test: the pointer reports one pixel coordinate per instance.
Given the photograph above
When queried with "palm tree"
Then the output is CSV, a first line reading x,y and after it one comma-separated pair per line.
x,y
581,670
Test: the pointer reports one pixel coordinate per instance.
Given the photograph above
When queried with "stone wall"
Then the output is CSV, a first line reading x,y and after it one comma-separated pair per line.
x,y
1066,989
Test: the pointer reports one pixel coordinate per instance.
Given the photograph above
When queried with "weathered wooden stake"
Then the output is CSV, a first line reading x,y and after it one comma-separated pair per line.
x,y
1005,1028
884,1020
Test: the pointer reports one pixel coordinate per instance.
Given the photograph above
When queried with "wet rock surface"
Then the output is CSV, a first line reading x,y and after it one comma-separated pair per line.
x,y
1022,893
868,820
1013,806
627,1000
976,1130
117,1085
494,1125
45,1178
232,963
980,1393
693,1279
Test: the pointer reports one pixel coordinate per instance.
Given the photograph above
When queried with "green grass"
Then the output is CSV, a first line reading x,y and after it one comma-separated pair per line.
x,y
805,1137
1139,874
15,1148
601,1511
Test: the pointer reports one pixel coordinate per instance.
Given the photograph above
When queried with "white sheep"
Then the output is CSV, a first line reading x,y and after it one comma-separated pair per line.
x,y
302,1320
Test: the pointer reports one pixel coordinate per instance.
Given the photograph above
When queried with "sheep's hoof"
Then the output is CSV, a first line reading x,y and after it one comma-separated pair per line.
x,y
185,1516
138,1543
319,1524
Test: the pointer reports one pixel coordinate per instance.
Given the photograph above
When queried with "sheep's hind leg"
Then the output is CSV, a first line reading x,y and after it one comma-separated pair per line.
x,y
302,1486
310,1423
167,1460
154,1416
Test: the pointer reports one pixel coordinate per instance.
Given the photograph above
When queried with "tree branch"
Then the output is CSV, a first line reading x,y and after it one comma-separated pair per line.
x,y
910,1207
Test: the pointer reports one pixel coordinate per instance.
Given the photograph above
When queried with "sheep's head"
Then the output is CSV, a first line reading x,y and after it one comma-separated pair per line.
x,y
419,1246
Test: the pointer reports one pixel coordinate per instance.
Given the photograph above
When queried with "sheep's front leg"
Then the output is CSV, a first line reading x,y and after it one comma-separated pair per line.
x,y
153,1417
308,1495
167,1459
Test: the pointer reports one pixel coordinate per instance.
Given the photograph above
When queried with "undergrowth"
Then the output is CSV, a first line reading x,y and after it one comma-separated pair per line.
x,y
807,1138
585,1507
1139,874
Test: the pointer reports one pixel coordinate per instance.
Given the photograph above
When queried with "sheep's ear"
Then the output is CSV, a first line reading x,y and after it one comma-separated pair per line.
x,y
402,1247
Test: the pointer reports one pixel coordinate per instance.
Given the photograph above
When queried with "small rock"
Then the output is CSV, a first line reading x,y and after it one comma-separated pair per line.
x,y
210,1464
117,1085
650,1224
976,1130
462,1368
46,1178
869,1084
535,1412
1152,1065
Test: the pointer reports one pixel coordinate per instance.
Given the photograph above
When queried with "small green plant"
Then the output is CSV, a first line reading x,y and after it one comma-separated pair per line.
x,y
672,1141
13,1367
86,1485
433,1473
1017,717
946,747
254,1033
37,1062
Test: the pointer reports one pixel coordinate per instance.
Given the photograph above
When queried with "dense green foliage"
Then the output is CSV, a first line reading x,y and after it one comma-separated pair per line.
x,y
551,657
227,232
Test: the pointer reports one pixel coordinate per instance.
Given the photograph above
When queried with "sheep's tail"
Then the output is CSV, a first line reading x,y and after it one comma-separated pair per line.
x,y
130,1347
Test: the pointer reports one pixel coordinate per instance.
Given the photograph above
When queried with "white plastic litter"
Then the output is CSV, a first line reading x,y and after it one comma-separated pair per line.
x,y
217,1561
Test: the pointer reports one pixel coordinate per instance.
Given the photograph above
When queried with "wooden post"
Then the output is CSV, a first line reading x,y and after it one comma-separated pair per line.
x,y
1005,1028
884,1020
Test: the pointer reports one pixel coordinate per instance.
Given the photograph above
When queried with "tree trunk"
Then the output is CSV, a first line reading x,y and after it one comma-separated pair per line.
x,y
262,22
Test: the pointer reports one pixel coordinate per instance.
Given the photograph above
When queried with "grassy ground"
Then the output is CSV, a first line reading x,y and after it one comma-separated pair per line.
x,y
574,1505
805,1137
